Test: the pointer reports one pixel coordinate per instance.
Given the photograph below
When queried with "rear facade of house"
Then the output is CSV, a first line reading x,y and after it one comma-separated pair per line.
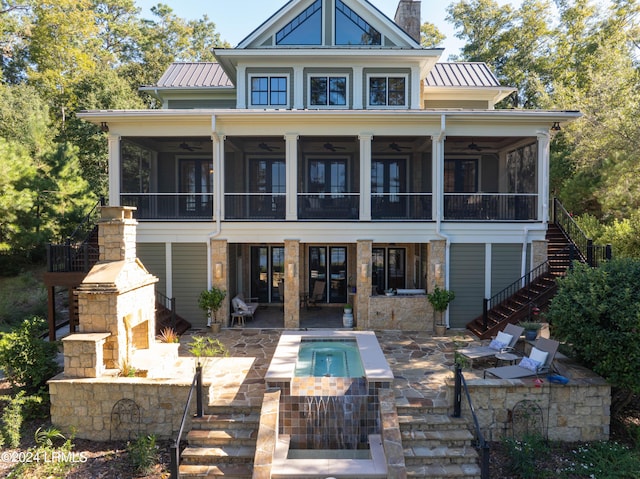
x,y
329,147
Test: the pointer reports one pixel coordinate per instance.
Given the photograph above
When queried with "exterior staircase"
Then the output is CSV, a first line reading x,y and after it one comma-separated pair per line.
x,y
221,444
436,445
518,303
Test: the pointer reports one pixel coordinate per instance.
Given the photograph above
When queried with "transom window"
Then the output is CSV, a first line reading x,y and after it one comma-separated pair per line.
x,y
305,29
328,91
352,29
388,91
269,91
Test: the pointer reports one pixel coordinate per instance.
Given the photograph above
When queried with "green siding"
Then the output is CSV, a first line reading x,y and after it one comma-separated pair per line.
x,y
506,260
190,104
153,258
467,273
189,262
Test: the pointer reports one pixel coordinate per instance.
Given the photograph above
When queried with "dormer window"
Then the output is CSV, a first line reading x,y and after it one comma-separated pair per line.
x,y
268,90
387,91
327,91
351,29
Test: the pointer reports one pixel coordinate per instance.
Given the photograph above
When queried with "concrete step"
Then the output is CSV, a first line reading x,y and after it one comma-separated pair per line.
x,y
436,438
444,471
218,437
226,471
440,455
216,455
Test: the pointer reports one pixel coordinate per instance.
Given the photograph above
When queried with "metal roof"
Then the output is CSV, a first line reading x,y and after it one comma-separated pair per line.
x,y
461,74
194,75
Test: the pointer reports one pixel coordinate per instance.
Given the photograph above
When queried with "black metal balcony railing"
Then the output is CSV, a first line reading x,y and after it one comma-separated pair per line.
x,y
170,206
255,206
71,258
401,206
328,206
491,206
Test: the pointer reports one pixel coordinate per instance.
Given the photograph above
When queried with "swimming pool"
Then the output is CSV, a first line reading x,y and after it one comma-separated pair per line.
x,y
329,358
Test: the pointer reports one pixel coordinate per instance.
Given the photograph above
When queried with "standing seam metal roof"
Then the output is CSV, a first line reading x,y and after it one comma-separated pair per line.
x,y
462,74
200,74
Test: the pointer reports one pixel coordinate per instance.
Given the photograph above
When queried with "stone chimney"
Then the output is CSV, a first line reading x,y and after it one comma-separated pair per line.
x,y
117,234
408,18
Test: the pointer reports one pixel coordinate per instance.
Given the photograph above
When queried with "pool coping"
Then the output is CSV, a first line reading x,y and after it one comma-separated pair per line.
x,y
283,363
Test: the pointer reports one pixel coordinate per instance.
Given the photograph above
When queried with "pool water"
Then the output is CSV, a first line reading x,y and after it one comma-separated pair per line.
x,y
329,358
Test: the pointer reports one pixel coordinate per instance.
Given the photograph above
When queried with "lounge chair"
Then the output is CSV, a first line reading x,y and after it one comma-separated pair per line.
x,y
538,362
505,341
317,295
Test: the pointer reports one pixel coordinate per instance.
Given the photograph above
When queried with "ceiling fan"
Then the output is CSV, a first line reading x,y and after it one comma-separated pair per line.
x,y
331,147
474,146
186,146
394,146
264,146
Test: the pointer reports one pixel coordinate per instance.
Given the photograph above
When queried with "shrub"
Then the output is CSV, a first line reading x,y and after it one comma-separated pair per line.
x,y
206,346
143,453
28,361
597,312
18,409
168,335
604,460
523,456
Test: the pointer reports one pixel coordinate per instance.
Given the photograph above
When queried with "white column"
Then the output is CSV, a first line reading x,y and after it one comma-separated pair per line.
x,y
365,176
241,88
298,89
292,175
218,174
358,82
416,86
543,176
114,169
437,171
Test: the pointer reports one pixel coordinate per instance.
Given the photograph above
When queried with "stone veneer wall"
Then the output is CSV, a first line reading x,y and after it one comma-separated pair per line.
x,y
407,313
86,405
577,411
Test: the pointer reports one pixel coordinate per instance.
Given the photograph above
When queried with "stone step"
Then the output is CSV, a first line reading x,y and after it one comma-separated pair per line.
x,y
435,438
226,471
218,437
227,421
444,471
440,455
430,421
404,410
226,454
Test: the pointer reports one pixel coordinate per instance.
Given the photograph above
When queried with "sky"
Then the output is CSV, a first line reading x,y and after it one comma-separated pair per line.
x,y
235,19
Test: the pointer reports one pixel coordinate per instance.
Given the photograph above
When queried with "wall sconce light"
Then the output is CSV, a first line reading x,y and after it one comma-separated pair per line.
x,y
218,271
104,127
364,270
438,271
291,270
556,126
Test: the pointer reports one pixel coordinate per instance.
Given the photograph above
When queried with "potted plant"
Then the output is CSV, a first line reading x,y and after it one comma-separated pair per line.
x,y
347,317
210,302
439,300
531,329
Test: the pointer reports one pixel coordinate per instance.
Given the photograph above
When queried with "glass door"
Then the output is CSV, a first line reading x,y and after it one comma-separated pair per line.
x,y
267,273
334,260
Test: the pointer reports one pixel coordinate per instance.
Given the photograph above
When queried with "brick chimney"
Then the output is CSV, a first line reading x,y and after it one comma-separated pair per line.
x,y
408,18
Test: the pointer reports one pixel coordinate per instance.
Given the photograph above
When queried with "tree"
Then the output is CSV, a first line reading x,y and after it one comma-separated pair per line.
x,y
597,313
430,36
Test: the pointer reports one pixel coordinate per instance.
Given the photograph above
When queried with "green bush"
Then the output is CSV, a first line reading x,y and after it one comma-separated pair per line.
x,y
604,460
524,456
28,361
143,453
597,313
16,410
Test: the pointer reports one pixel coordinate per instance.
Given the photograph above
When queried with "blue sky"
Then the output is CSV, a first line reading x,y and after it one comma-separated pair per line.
x,y
235,19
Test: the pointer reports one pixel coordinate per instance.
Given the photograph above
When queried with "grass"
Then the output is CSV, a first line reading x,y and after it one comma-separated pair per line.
x,y
21,297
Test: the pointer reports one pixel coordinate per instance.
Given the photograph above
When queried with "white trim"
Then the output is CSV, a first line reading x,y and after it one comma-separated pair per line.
x,y
291,162
269,76
328,76
387,76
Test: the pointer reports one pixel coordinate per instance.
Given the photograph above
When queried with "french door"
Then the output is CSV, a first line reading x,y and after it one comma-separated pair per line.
x,y
267,273
329,264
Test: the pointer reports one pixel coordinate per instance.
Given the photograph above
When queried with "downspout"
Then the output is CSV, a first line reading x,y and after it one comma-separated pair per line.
x,y
217,192
440,205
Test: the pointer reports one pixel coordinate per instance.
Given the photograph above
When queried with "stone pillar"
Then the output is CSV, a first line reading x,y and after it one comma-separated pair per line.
x,y
364,287
539,252
437,271
292,284
83,355
117,234
220,276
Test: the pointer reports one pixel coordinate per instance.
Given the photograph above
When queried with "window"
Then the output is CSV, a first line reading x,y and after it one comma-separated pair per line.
x,y
328,91
328,176
351,29
196,178
136,168
305,29
389,267
269,91
387,91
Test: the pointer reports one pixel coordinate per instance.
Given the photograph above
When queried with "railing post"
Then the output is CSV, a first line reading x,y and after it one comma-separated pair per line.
x,y
172,303
607,252
174,460
484,466
457,392
590,261
485,313
199,407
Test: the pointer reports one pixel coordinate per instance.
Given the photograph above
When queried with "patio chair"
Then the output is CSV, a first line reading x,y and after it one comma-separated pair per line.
x,y
317,295
505,341
538,362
